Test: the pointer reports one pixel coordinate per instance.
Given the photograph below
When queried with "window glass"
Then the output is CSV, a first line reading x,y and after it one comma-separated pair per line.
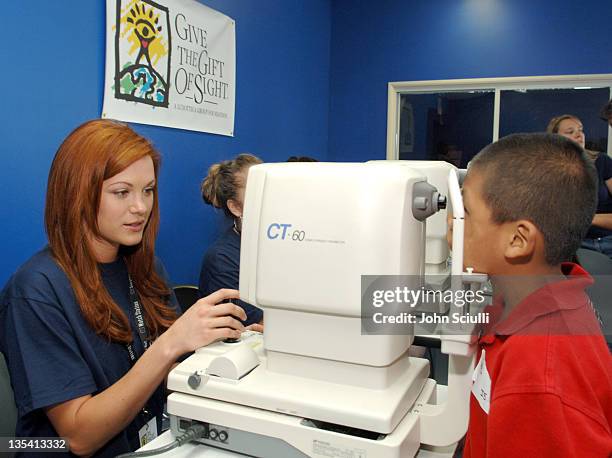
x,y
450,126
531,110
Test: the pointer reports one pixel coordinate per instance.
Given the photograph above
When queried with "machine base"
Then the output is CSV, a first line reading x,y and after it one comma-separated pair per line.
x,y
266,434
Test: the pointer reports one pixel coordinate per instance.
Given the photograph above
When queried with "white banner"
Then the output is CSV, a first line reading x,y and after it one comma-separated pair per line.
x,y
170,63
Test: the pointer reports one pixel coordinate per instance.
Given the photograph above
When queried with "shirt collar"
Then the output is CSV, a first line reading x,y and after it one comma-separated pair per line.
x,y
566,294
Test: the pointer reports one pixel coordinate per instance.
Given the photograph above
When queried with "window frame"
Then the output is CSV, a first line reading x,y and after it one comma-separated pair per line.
x,y
398,88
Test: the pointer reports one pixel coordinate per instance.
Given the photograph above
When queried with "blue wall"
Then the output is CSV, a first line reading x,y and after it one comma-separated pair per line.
x,y
374,43
289,98
52,80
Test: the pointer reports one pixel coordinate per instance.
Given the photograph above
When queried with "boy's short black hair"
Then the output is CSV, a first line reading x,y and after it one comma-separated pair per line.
x,y
546,179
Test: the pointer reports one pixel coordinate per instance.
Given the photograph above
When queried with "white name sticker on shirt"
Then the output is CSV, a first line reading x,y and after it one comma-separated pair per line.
x,y
481,388
148,432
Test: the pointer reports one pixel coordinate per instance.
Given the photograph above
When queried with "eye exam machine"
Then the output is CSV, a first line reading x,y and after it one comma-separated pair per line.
x,y
314,385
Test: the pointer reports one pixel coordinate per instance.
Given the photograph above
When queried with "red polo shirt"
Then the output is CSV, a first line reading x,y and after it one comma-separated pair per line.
x,y
550,376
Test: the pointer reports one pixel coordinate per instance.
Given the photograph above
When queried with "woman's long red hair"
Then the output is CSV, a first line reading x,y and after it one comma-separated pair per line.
x,y
92,153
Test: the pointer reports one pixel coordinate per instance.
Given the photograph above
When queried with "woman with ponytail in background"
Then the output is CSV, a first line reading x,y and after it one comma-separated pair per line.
x,y
224,188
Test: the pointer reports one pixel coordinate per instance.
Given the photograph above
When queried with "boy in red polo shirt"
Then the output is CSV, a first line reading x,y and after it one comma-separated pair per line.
x,y
543,380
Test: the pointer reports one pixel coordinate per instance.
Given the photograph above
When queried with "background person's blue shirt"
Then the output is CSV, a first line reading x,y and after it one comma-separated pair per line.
x,y
221,269
603,164
52,353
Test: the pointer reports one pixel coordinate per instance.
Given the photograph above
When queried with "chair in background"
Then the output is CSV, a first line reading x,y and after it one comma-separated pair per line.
x,y
186,295
600,268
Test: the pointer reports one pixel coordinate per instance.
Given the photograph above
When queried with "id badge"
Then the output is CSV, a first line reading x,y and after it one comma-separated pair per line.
x,y
481,388
148,432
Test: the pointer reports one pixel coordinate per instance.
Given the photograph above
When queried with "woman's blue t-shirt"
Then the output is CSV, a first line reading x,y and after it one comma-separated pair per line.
x,y
54,356
603,164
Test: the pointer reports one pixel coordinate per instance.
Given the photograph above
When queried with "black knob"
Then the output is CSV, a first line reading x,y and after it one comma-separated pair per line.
x,y
441,202
194,380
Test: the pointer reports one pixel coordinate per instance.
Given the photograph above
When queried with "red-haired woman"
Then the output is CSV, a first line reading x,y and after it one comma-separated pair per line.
x,y
76,319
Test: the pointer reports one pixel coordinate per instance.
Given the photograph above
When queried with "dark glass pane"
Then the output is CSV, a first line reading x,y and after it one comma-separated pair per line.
x,y
450,126
531,110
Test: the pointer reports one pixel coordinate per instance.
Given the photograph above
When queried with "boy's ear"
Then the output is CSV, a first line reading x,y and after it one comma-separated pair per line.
x,y
522,241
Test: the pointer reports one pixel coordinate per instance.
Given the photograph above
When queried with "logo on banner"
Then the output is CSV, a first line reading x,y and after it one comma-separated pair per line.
x,y
142,52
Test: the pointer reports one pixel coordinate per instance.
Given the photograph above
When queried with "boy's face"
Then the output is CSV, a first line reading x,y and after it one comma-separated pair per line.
x,y
483,238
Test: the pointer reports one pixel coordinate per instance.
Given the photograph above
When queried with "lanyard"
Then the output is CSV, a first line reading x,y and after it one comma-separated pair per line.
x,y
141,325
143,332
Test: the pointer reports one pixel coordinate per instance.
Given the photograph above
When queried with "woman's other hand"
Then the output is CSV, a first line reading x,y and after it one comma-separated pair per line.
x,y
257,327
